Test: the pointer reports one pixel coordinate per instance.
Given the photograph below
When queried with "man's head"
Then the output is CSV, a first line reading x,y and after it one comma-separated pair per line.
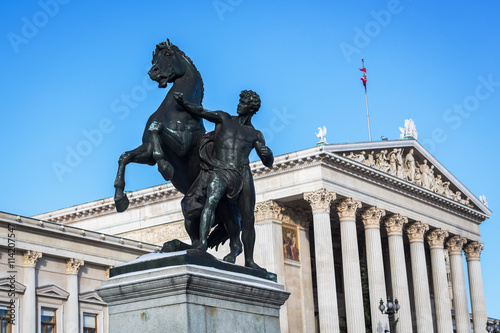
x,y
249,102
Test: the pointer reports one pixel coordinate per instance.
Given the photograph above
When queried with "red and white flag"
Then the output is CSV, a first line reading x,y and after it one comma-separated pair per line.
x,y
364,78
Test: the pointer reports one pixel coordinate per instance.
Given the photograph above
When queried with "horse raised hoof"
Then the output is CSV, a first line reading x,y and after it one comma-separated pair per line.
x,y
121,203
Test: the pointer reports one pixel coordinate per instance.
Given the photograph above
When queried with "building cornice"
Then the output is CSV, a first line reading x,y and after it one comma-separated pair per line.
x,y
329,155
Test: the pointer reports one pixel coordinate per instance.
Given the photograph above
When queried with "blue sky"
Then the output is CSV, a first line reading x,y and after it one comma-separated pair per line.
x,y
74,70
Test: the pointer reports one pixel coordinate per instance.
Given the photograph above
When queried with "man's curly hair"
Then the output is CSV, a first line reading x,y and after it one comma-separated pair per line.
x,y
250,98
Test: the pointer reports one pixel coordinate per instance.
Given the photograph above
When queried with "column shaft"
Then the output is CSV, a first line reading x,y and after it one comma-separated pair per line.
x,y
71,309
421,288
462,320
421,292
28,307
375,266
478,304
399,278
353,293
325,273
442,302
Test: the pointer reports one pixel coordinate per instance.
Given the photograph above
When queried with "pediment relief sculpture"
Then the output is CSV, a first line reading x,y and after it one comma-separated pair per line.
x,y
405,164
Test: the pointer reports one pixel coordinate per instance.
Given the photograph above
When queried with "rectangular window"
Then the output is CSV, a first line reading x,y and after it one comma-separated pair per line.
x,y
5,325
48,320
89,323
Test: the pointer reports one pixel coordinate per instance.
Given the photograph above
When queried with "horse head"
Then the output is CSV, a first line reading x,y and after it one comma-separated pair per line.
x,y
169,63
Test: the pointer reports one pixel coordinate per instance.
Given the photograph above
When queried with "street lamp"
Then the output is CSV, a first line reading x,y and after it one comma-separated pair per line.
x,y
493,327
392,308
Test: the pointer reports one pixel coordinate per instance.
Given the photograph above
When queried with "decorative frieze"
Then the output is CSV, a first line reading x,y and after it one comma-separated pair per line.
x,y
394,224
73,265
405,165
30,258
455,244
416,231
436,238
347,208
473,250
320,200
371,217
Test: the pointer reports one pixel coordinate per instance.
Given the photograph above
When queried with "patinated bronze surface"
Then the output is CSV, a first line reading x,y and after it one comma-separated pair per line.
x,y
211,169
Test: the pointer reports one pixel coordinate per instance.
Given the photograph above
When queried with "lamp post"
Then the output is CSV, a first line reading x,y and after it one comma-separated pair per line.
x,y
493,327
392,308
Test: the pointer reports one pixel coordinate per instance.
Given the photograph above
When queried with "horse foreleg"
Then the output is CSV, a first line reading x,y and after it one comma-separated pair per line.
x,y
141,154
166,169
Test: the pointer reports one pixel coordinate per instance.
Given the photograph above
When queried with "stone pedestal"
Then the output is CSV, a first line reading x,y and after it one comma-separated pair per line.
x,y
191,298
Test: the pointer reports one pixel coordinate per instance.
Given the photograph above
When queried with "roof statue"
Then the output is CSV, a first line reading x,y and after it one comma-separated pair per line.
x,y
410,131
483,200
321,135
210,169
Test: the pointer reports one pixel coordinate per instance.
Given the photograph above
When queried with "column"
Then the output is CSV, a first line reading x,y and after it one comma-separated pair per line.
x,y
28,308
71,309
394,226
353,293
421,292
472,253
375,264
269,232
442,302
323,248
462,320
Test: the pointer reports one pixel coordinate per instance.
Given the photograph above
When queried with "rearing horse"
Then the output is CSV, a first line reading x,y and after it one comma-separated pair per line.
x,y
171,135
171,140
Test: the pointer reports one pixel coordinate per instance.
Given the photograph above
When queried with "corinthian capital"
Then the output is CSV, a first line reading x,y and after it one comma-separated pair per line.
x,y
268,211
455,244
30,258
320,200
416,231
371,217
347,208
473,250
73,265
436,238
394,224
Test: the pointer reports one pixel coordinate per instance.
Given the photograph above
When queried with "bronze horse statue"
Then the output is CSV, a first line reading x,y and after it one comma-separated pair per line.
x,y
171,140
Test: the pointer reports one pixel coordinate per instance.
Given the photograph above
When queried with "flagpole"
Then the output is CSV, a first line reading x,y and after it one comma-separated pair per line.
x,y
366,102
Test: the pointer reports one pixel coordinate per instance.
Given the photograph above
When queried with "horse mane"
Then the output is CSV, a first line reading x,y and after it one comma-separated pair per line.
x,y
165,45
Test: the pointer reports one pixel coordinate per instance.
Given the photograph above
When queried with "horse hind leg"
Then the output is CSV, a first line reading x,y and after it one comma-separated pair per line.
x,y
164,167
142,155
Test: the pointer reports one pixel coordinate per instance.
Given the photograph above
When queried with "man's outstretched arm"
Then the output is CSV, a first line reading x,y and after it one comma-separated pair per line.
x,y
197,110
265,154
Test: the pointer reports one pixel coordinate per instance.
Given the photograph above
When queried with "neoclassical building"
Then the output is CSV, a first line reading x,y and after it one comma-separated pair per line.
x,y
342,225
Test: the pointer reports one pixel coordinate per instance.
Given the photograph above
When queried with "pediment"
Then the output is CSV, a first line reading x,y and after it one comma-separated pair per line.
x,y
52,291
91,297
5,285
407,160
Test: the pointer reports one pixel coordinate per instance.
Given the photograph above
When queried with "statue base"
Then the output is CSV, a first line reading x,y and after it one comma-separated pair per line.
x,y
190,298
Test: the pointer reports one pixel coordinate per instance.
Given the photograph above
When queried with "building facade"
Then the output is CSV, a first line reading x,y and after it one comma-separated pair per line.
x,y
343,226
